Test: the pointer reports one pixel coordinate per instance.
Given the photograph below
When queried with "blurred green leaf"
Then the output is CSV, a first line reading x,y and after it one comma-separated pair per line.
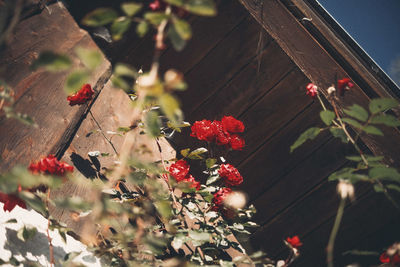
x,y
142,28
24,234
201,7
177,42
92,58
34,202
386,119
75,80
196,154
381,104
352,122
339,133
122,69
200,237
52,61
99,17
368,157
175,2
372,130
389,174
358,112
185,152
153,124
131,8
182,28
327,116
119,27
24,118
212,179
393,187
170,106
309,134
210,162
164,208
119,82
155,18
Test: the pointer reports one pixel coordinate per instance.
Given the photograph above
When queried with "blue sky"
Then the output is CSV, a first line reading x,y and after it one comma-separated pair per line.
x,y
375,25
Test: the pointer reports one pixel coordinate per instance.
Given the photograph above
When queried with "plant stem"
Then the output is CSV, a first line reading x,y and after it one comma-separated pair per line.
x,y
102,133
51,249
332,238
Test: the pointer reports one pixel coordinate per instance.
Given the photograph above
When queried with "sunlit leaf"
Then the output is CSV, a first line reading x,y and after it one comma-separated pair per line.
x,y
170,106
372,130
52,61
142,28
100,17
358,112
92,58
119,27
182,28
309,134
210,162
201,7
175,2
153,124
155,18
197,153
164,208
185,152
386,119
122,69
131,8
381,104
327,116
75,80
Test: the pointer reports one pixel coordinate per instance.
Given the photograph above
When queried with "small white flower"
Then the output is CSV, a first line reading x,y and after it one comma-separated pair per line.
x,y
345,189
331,90
280,263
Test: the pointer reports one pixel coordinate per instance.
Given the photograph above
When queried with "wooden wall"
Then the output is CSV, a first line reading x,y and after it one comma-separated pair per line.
x,y
235,67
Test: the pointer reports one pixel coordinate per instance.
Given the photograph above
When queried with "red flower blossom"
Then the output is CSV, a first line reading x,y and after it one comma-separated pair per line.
x,y
203,130
192,182
312,90
10,201
230,175
221,136
50,165
219,198
157,5
236,142
391,255
344,84
179,170
232,125
82,96
384,258
294,241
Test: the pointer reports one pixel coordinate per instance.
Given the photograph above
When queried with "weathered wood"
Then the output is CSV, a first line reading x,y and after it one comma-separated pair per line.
x,y
38,93
317,65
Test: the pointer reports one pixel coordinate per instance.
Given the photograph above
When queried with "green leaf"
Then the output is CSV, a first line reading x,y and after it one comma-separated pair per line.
x,y
131,8
358,112
52,61
119,27
378,188
92,58
182,28
119,82
199,237
142,28
386,119
327,116
153,123
170,106
372,130
201,7
309,134
185,152
196,154
175,2
212,179
177,42
34,202
99,17
122,69
352,122
210,162
393,187
389,174
11,221
339,133
75,80
368,157
164,208
381,104
155,18
24,234
361,253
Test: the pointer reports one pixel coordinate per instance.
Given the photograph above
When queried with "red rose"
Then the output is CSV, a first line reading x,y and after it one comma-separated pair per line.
x,y
192,182
343,85
179,170
232,125
82,96
157,5
312,90
294,241
230,175
236,142
10,201
50,165
385,258
203,130
221,136
219,198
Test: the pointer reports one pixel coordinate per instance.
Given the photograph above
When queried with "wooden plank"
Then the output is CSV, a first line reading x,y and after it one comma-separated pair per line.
x,y
221,64
371,212
38,93
317,65
110,111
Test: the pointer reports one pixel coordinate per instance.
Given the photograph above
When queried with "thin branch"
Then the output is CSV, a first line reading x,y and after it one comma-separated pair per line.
x,y
335,229
51,249
102,132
